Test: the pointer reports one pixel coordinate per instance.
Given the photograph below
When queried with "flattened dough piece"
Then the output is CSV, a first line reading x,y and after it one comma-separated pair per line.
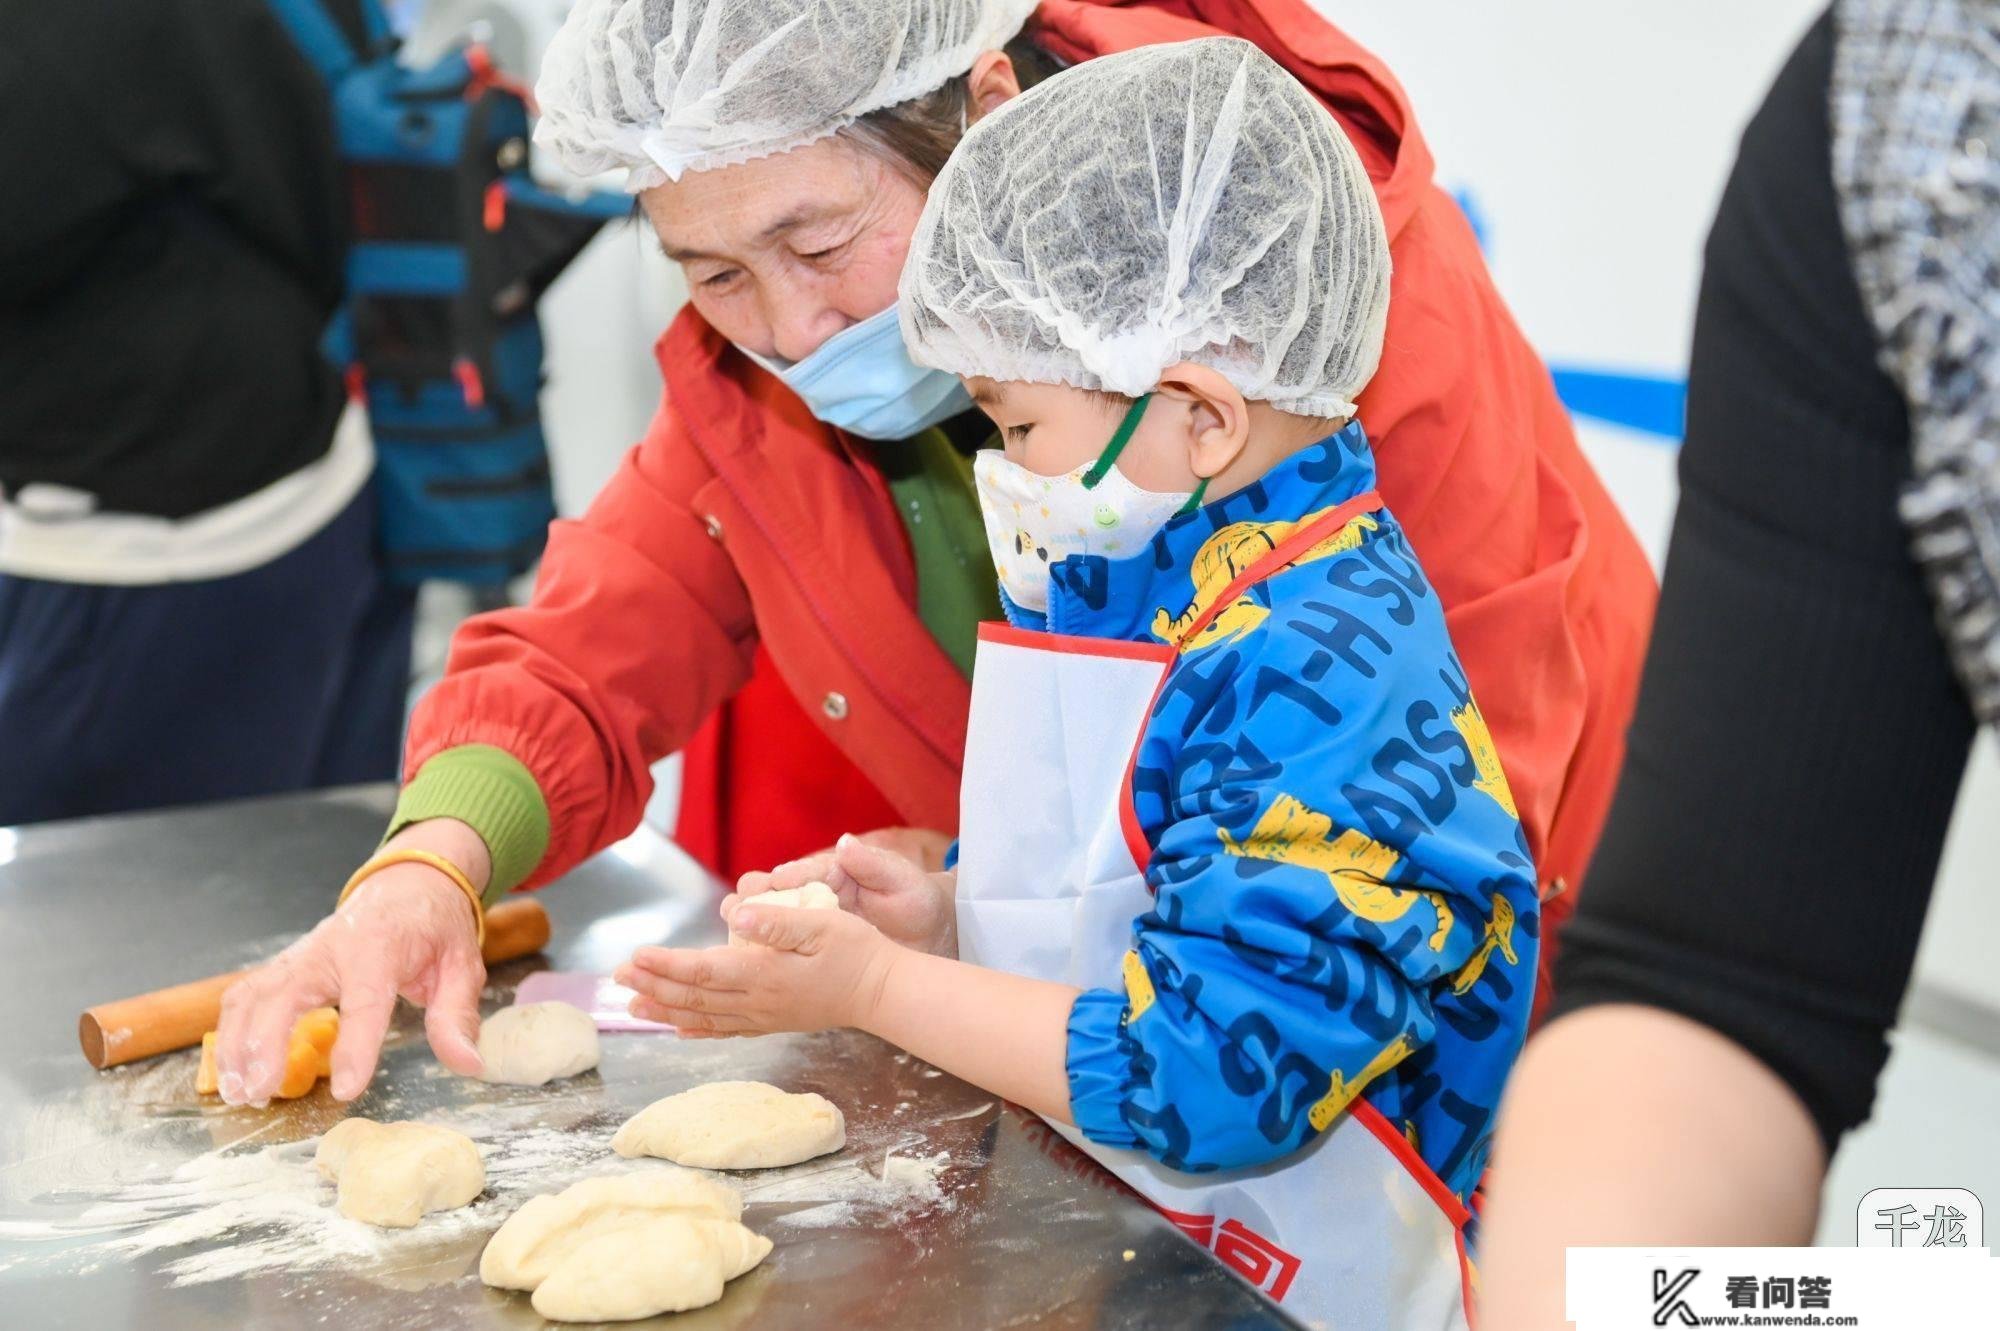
x,y
393,1174
547,1229
734,1125
536,1043
812,896
665,1264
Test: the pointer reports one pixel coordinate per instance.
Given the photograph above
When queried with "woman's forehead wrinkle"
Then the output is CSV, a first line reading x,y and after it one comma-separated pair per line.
x,y
803,214
752,215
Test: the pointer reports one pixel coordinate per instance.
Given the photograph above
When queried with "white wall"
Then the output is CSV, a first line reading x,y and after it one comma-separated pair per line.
x,y
1593,141
603,317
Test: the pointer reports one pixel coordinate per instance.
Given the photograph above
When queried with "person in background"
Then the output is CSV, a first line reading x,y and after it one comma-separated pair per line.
x,y
806,491
1232,980
1728,986
190,603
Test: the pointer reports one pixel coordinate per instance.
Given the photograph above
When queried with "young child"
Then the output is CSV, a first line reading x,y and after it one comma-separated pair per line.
x,y
1242,903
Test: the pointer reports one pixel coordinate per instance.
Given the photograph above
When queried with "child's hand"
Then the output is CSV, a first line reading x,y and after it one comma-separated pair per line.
x,y
910,906
817,969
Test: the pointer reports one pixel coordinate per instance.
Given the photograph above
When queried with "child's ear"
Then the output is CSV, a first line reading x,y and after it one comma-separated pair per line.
x,y
1218,419
990,84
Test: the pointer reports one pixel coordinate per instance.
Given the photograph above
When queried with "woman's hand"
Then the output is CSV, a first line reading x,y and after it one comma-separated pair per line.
x,y
912,907
919,845
407,930
814,970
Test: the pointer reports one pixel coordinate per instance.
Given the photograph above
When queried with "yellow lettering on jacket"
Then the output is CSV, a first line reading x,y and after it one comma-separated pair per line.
x,y
1356,864
1229,553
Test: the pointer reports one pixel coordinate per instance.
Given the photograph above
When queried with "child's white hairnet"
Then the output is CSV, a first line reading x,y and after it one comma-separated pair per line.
x,y
663,87
1181,202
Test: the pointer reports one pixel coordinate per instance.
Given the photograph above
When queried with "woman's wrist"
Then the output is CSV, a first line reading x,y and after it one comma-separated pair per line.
x,y
403,886
411,895
454,840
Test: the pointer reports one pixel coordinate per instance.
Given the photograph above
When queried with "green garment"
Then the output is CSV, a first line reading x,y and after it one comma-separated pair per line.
x,y
931,479
490,790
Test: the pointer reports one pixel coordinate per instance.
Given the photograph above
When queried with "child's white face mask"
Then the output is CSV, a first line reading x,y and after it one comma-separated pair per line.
x,y
1033,521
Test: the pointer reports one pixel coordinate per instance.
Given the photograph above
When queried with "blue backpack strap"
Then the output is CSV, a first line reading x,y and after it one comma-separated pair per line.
x,y
321,38
375,21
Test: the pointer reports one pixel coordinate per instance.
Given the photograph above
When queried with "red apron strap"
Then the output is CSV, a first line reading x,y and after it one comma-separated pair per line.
x,y
1282,555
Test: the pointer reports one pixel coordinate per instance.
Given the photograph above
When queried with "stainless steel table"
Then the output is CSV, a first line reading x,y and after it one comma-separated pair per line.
x,y
128,1201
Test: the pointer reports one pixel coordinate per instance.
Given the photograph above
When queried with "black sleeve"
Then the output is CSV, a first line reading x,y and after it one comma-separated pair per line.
x,y
172,223
1800,736
115,106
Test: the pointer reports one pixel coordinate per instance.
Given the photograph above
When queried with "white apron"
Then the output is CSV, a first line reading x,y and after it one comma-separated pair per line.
x,y
1353,1233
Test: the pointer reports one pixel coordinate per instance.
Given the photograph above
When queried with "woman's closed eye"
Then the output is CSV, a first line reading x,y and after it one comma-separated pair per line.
x,y
824,253
818,241
721,281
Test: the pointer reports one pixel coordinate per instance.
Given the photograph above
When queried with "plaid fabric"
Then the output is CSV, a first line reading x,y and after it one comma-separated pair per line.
x,y
1915,113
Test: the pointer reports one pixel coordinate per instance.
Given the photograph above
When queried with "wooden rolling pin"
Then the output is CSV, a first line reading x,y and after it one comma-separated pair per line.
x,y
166,1019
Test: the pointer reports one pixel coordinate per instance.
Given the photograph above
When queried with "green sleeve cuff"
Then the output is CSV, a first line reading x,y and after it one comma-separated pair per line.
x,y
491,791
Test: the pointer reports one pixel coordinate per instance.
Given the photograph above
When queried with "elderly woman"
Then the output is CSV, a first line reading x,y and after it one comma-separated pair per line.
x,y
800,520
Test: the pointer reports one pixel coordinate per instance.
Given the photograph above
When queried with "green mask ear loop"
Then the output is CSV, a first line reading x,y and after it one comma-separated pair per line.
x,y
1126,428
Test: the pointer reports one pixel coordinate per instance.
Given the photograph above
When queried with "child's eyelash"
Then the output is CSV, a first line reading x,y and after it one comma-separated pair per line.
x,y
1018,431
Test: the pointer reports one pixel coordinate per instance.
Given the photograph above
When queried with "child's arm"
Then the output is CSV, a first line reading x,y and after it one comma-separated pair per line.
x,y
1003,1033
820,968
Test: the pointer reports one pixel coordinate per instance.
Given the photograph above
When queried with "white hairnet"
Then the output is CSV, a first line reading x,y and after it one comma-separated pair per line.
x,y
1181,202
664,87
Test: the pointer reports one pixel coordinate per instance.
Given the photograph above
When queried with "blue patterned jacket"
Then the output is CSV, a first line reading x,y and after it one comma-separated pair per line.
x,y
1344,900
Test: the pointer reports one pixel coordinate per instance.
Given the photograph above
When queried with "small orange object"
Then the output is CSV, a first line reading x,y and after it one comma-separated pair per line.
x,y
309,1057
204,1077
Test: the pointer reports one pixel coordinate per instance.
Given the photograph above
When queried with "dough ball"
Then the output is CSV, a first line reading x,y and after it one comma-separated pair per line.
x,y
734,1125
547,1229
664,1264
812,896
393,1174
614,1249
536,1043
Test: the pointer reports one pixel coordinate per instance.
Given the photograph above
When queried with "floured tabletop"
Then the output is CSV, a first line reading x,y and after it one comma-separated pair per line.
x,y
128,1200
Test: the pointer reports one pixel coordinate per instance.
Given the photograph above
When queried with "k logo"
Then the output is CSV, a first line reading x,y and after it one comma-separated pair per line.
x,y
1667,1300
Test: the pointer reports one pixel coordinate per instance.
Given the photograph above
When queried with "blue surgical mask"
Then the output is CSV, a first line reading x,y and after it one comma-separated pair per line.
x,y
863,381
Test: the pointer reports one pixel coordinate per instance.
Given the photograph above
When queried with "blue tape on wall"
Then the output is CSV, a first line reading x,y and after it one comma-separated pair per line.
x,y
1651,404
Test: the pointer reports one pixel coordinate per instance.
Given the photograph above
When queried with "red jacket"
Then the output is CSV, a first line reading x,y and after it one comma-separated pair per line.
x,y
741,523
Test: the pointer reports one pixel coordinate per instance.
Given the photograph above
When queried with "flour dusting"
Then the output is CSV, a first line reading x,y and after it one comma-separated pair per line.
x,y
845,1193
132,1167
265,1209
